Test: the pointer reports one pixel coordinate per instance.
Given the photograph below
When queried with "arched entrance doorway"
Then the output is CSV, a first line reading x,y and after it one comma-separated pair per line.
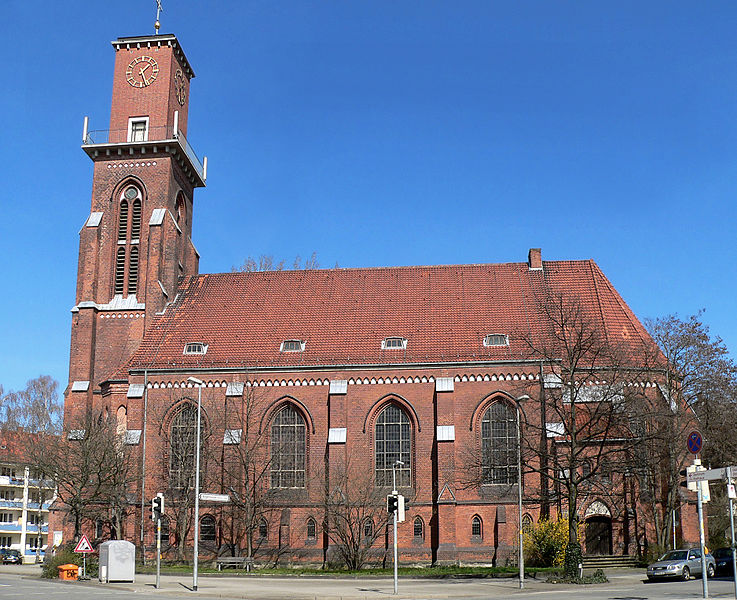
x,y
598,529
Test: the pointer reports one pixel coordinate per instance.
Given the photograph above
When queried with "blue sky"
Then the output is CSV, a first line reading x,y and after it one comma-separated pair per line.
x,y
393,133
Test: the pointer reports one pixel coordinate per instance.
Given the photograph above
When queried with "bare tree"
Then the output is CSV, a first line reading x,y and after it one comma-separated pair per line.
x,y
178,469
590,393
698,390
355,514
37,408
246,467
91,467
267,262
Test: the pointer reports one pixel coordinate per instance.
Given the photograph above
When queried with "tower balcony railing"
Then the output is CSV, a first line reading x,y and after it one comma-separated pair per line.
x,y
164,133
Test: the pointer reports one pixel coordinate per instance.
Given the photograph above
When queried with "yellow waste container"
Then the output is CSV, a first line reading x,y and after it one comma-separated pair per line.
x,y
69,572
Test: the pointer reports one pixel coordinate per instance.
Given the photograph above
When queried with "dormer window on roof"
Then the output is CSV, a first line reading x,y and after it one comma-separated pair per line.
x,y
195,348
292,346
394,343
496,339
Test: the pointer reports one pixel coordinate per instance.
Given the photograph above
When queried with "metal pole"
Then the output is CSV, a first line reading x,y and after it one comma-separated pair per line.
x,y
394,514
731,527
197,490
158,552
704,578
143,468
519,505
673,520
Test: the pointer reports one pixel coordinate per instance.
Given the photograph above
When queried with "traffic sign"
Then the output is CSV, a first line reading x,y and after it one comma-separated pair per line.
x,y
205,497
709,474
83,545
694,442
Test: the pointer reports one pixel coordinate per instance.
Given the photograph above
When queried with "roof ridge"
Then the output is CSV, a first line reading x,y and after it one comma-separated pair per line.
x,y
385,268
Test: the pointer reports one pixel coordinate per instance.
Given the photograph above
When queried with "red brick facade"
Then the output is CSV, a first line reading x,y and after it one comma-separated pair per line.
x,y
443,379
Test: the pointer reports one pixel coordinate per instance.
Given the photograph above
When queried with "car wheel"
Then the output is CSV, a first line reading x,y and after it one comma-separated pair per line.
x,y
710,571
686,575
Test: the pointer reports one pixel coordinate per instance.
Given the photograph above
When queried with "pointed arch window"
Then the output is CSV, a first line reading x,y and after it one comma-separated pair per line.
x,y
368,528
129,234
418,528
526,522
499,444
182,444
263,529
208,529
393,442
477,527
311,529
288,445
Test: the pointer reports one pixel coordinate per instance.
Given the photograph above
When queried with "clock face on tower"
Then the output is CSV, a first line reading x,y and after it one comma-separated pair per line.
x,y
142,71
180,87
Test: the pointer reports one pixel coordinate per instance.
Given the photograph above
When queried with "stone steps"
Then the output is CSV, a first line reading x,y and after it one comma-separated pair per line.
x,y
609,562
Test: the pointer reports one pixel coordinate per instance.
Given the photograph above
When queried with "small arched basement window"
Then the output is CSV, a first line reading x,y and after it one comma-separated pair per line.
x,y
368,528
477,529
311,529
418,529
208,529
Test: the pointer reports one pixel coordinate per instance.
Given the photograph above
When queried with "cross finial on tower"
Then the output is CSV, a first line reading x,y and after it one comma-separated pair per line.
x,y
159,10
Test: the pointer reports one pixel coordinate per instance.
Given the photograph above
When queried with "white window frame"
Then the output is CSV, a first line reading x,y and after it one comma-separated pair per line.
x,y
403,345
301,348
487,340
187,351
133,120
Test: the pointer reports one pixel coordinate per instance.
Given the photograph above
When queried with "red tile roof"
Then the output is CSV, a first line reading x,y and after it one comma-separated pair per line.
x,y
343,315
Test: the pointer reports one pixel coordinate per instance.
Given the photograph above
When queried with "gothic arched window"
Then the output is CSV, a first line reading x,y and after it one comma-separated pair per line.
x,y
499,444
288,445
368,528
393,442
129,234
263,529
311,529
526,522
418,529
208,529
182,444
477,527
165,529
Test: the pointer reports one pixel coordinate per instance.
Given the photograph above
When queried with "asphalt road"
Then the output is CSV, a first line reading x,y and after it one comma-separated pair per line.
x,y
24,583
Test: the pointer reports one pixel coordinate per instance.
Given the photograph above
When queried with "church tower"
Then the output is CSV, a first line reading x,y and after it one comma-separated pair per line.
x,y
136,243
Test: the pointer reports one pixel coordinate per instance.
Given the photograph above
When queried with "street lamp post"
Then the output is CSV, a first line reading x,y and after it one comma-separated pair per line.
x,y
199,383
519,494
395,492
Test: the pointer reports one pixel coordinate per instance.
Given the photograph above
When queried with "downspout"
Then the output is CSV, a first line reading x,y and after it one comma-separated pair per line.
x,y
143,466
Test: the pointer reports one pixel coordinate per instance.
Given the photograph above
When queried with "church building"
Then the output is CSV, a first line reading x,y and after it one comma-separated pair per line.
x,y
318,387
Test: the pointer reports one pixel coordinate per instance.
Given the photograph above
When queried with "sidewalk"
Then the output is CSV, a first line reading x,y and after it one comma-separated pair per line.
x,y
264,587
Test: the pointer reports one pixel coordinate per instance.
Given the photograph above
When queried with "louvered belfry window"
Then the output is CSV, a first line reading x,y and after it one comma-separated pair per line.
x,y
499,444
288,442
120,271
129,234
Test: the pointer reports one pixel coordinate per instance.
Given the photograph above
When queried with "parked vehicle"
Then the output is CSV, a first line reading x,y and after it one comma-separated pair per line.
x,y
10,556
723,556
682,564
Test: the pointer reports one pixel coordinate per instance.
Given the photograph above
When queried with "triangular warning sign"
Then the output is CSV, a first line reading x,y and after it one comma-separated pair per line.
x,y
83,545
